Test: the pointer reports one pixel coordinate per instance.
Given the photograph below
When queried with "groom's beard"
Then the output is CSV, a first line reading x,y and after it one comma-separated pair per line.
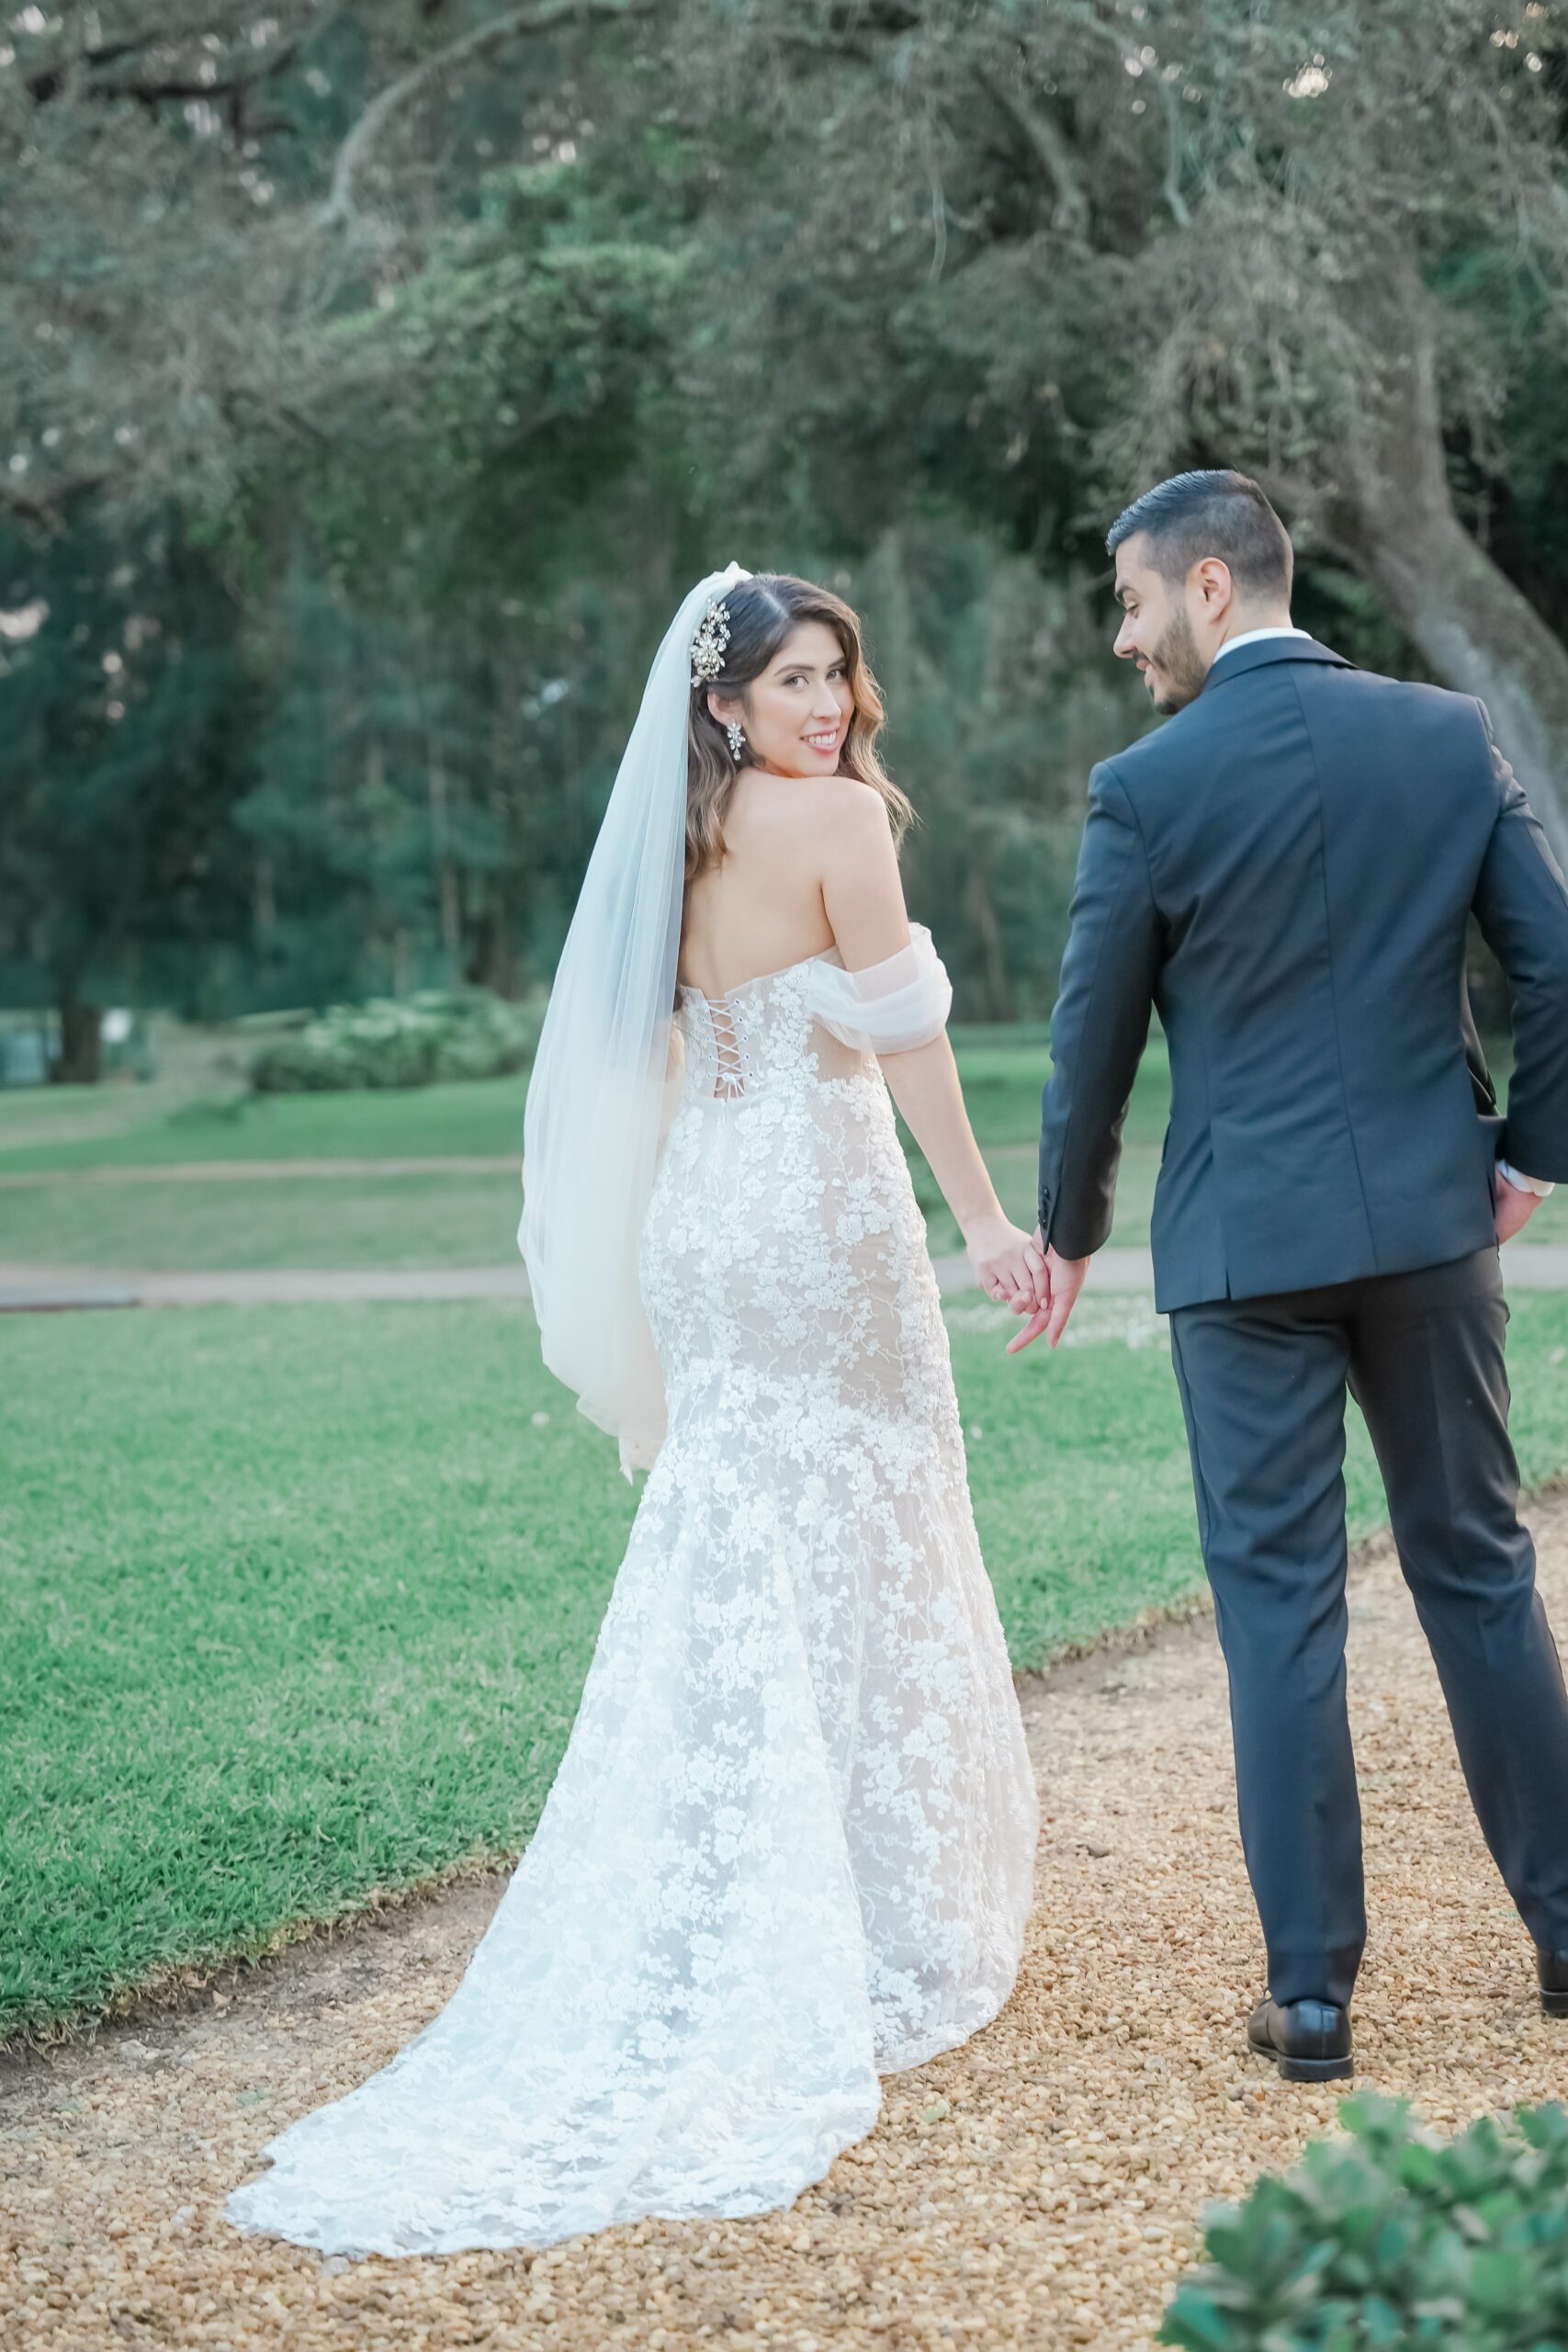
x,y
1179,666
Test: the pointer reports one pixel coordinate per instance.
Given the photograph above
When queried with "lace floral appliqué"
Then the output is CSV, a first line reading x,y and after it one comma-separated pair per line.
x,y
790,1846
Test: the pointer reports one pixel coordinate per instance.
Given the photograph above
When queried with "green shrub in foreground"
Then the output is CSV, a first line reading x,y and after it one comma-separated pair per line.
x,y
402,1041
1393,2238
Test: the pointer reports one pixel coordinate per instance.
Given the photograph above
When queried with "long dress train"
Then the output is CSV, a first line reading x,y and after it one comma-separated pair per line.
x,y
791,1843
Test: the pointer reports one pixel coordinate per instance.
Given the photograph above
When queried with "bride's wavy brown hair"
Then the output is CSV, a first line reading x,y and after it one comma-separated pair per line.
x,y
763,610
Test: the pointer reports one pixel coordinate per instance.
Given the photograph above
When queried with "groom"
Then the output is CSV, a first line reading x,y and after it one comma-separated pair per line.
x,y
1285,871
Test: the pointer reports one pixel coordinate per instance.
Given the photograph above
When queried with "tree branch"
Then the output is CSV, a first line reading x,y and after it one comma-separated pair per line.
x,y
51,81
825,46
1047,145
1174,201
152,94
1170,184
543,17
46,508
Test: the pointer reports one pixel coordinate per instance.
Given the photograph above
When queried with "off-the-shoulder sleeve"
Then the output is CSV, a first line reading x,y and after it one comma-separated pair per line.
x,y
890,1007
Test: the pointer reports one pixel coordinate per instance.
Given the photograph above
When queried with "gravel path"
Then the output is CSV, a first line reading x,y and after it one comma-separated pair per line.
x,y
1038,2188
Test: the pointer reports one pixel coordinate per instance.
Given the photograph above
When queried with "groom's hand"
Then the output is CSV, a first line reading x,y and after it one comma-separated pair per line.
x,y
1063,1280
1514,1209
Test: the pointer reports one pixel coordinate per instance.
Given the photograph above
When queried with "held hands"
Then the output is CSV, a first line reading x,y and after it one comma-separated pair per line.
x,y
1057,1280
1061,1279
1008,1266
1514,1209
1035,1280
1018,1271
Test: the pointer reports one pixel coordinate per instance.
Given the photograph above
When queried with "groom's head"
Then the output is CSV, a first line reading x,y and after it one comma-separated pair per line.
x,y
1199,558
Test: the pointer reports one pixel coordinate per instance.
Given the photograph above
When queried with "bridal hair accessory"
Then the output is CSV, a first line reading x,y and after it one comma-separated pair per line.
x,y
708,645
592,1122
737,735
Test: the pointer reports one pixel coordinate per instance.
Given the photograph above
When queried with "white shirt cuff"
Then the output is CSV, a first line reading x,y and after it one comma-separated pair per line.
x,y
1536,1185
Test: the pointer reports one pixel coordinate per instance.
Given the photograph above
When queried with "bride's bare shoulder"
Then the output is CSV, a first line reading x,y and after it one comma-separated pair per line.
x,y
818,810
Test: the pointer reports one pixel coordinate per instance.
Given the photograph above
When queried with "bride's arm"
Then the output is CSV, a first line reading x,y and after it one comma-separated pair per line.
x,y
863,898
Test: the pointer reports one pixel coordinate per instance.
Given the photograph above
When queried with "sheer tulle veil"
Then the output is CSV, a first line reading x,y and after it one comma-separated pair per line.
x,y
591,1126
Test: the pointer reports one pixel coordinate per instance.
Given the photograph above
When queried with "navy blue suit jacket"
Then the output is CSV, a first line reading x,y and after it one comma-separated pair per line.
x,y
1284,871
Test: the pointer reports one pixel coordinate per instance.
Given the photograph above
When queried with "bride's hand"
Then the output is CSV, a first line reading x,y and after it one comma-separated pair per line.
x,y
1008,1264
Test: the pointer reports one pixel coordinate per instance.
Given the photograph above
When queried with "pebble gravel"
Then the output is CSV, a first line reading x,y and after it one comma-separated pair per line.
x,y
1040,2188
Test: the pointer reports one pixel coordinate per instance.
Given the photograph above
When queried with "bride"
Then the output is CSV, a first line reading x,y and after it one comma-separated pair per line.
x,y
790,1845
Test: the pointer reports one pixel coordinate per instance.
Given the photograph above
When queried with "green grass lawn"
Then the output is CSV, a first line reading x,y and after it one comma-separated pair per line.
x,y
419,1221
337,1221
1003,1071
457,1220
298,1600
75,1126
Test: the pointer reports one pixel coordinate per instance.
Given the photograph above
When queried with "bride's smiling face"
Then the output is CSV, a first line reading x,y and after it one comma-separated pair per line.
x,y
797,712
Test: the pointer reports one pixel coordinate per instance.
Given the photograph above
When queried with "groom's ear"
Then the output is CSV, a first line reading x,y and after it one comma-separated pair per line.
x,y
1211,575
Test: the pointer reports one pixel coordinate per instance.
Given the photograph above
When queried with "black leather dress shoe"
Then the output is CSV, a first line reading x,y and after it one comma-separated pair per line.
x,y
1552,1968
1308,2040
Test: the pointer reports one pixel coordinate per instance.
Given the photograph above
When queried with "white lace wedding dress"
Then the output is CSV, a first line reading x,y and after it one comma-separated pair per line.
x,y
791,1843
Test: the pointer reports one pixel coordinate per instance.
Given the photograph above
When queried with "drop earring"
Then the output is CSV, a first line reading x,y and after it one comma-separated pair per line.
x,y
735,733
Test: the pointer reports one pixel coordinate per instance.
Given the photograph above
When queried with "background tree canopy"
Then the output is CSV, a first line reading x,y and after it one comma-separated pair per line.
x,y
373,381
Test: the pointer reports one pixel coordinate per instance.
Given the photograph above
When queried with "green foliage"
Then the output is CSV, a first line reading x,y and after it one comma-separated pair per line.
x,y
436,1034
126,715
907,297
1394,2238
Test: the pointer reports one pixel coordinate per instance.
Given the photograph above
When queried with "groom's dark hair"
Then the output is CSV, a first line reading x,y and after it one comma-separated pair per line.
x,y
1214,513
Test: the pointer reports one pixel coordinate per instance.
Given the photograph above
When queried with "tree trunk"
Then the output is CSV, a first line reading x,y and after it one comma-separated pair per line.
x,y
264,909
1390,512
492,957
445,873
1480,636
79,1060
982,914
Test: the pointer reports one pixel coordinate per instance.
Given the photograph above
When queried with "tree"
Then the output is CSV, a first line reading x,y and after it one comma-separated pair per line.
x,y
400,430
199,247
1055,251
451,339
126,708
